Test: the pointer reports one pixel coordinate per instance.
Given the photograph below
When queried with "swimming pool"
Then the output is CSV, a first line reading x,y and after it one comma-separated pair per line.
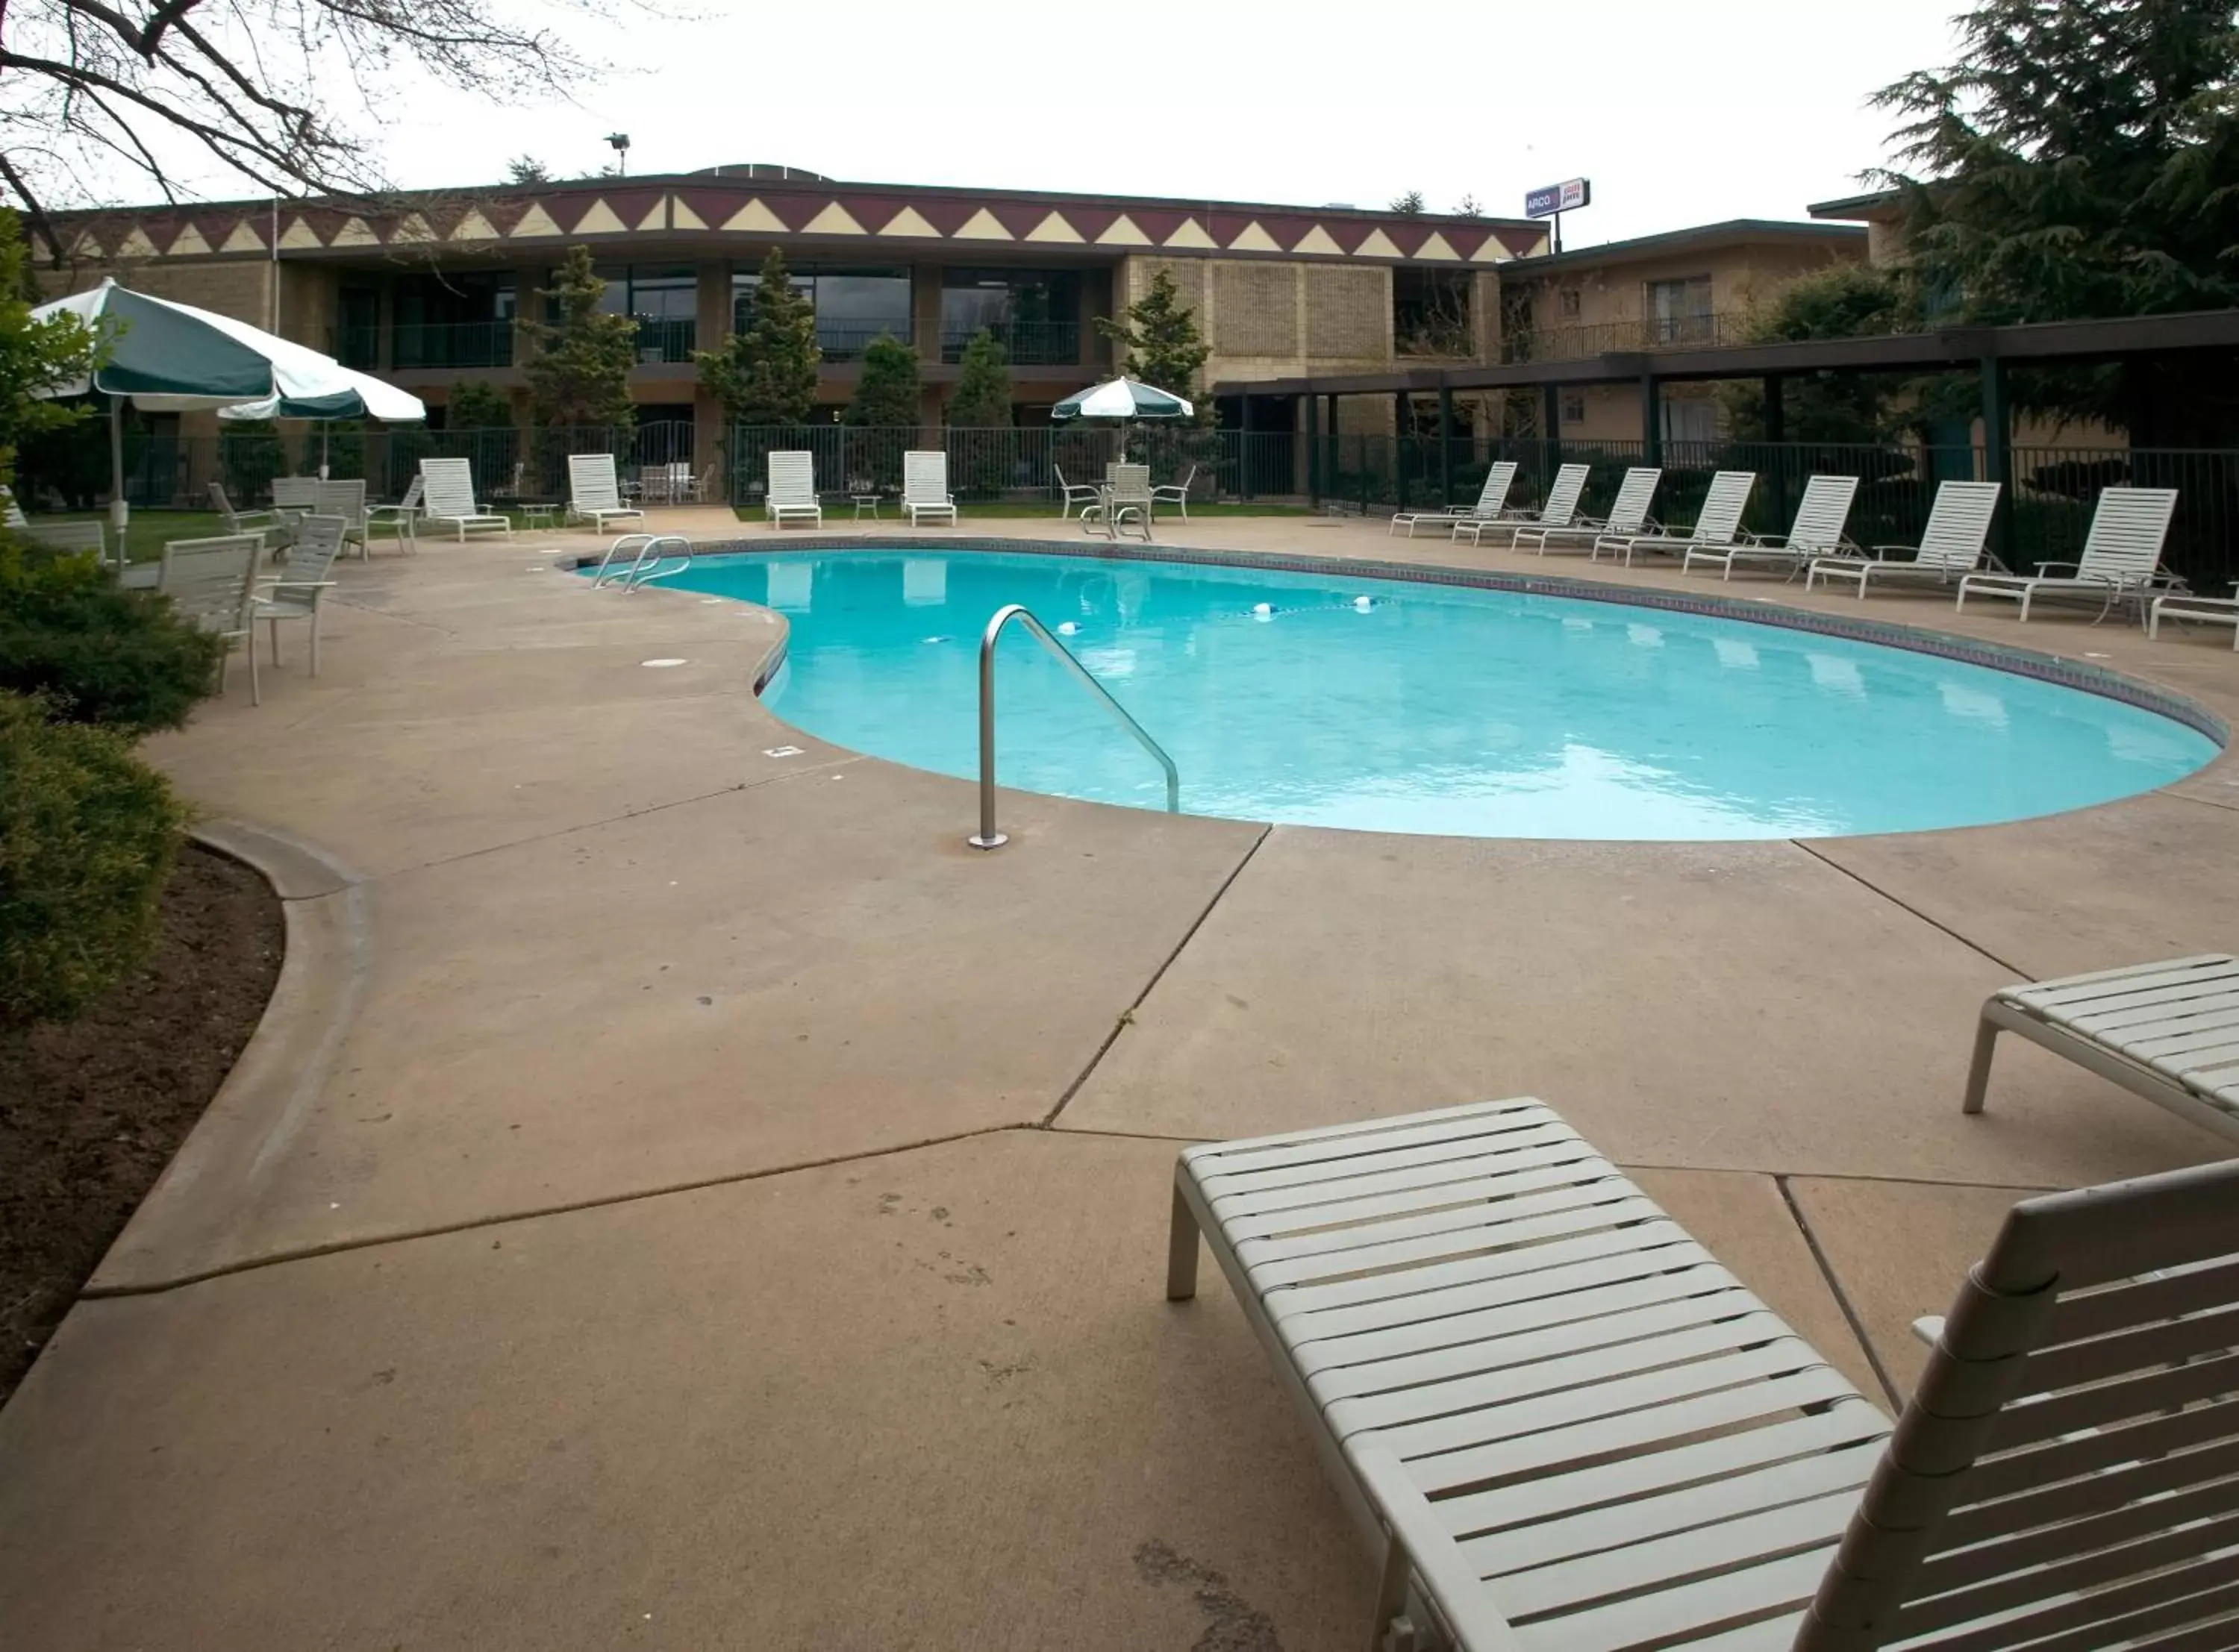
x,y
1327,700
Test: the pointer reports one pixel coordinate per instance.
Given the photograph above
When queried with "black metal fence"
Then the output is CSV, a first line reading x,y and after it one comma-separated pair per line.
x,y
2044,516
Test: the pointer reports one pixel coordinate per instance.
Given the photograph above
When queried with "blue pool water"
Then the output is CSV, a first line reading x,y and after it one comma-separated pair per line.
x,y
1430,708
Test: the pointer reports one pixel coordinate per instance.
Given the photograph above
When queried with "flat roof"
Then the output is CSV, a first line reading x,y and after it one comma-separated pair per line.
x,y
1875,207
1732,232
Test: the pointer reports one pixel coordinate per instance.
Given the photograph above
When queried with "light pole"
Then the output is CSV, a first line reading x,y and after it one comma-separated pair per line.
x,y
618,141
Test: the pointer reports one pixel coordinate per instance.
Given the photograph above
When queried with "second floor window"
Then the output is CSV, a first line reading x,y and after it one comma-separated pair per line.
x,y
1034,313
853,304
1679,312
1431,313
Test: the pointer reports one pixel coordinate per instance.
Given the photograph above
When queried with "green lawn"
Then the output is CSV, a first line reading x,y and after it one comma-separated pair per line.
x,y
1011,510
150,529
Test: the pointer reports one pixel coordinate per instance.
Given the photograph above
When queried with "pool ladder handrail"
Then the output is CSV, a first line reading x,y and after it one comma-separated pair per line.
x,y
988,837
637,572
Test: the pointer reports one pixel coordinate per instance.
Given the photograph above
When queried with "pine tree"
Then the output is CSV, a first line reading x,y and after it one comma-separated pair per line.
x,y
1411,203
766,373
886,394
1161,343
475,404
982,401
579,373
2081,159
526,168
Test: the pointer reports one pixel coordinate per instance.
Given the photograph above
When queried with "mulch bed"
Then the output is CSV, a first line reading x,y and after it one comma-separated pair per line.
x,y
91,1111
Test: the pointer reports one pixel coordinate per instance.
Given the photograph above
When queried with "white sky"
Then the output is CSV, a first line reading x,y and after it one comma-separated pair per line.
x,y
1680,113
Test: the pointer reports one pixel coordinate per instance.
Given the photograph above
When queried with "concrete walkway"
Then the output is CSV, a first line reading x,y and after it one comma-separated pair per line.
x,y
683,1197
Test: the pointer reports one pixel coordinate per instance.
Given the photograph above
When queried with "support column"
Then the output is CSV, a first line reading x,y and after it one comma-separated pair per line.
x,y
1775,432
1550,423
1402,419
1313,450
1998,455
1445,443
1243,448
1651,419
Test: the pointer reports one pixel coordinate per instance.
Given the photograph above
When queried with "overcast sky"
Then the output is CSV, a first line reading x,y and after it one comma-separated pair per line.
x,y
1680,114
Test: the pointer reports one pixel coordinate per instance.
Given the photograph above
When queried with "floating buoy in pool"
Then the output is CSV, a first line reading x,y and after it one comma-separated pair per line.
x,y
1364,603
1263,610
1068,628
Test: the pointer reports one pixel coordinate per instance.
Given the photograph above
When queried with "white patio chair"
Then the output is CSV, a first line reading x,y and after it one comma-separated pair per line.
x,y
595,491
2204,610
1076,492
450,497
86,535
241,521
1817,531
295,495
11,513
1628,515
925,487
399,517
1176,493
1491,503
213,582
1560,509
1950,546
347,500
2122,555
792,495
1716,524
295,594
1125,498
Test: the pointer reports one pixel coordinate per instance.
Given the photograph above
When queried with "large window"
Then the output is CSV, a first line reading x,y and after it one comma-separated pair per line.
x,y
463,319
1679,311
1034,313
1431,314
665,298
854,303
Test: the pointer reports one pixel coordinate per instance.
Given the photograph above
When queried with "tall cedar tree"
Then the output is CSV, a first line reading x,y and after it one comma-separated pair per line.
x,y
1161,344
886,394
765,372
579,373
475,405
36,356
2081,159
982,401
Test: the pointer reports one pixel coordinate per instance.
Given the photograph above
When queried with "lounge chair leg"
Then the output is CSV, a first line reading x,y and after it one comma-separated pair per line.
x,y
315,640
1978,1070
255,694
1181,1251
274,626
1392,1631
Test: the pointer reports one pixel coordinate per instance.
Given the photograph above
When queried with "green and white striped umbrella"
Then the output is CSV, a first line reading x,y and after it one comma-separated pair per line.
x,y
1123,399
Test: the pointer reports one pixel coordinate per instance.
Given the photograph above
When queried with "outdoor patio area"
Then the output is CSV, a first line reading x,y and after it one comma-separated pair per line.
x,y
682,1196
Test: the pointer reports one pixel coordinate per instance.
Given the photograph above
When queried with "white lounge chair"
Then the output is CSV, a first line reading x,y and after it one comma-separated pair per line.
x,y
450,497
11,513
1176,493
792,495
1075,493
925,487
295,594
1950,546
1817,531
595,491
2122,555
399,518
1564,1427
295,495
213,582
2205,610
2168,1031
347,500
1560,509
84,535
1717,524
1628,515
1123,498
1492,502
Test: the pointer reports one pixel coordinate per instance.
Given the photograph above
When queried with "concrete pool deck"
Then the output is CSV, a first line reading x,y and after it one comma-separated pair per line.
x,y
684,1197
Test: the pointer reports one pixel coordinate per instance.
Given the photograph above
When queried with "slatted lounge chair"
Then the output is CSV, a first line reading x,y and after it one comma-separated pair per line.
x,y
241,521
11,513
1628,515
1492,500
1950,546
1075,493
1716,524
1125,498
294,595
1817,531
1560,510
213,582
399,518
1176,493
925,487
347,500
1564,1427
595,491
2122,555
449,497
67,536
792,495
2168,1031
2206,610
295,495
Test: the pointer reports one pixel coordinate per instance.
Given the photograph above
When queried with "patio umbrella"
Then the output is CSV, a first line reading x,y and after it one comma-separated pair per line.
x,y
173,358
1120,401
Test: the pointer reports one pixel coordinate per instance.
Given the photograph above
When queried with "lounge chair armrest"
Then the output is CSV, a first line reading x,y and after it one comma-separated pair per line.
x,y
1451,1584
270,587
1881,552
2045,569
1928,1328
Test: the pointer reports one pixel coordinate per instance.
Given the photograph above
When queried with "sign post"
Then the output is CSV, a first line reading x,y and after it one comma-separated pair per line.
x,y
1556,200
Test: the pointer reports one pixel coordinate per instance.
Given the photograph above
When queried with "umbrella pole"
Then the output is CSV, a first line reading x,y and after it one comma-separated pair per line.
x,y
119,511
326,429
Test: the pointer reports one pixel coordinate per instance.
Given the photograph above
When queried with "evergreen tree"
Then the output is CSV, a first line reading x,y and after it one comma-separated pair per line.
x,y
982,401
766,373
1411,203
2081,159
475,404
526,168
1849,300
886,394
579,373
1161,344
34,355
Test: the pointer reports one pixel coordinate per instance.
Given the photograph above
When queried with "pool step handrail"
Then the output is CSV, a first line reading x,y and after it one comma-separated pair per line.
x,y
988,837
645,557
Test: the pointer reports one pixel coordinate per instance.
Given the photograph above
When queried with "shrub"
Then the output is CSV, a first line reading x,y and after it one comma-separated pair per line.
x,y
94,651
88,833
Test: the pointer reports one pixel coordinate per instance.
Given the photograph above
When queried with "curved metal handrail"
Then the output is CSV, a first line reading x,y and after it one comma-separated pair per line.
x,y
647,545
989,837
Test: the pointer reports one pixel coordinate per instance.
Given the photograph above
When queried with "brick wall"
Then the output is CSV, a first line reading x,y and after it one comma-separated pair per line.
x,y
1348,315
1257,307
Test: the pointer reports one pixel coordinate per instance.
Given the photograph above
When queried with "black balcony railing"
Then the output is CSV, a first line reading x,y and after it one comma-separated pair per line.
x,y
666,339
453,343
1606,338
1028,343
839,341
356,346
